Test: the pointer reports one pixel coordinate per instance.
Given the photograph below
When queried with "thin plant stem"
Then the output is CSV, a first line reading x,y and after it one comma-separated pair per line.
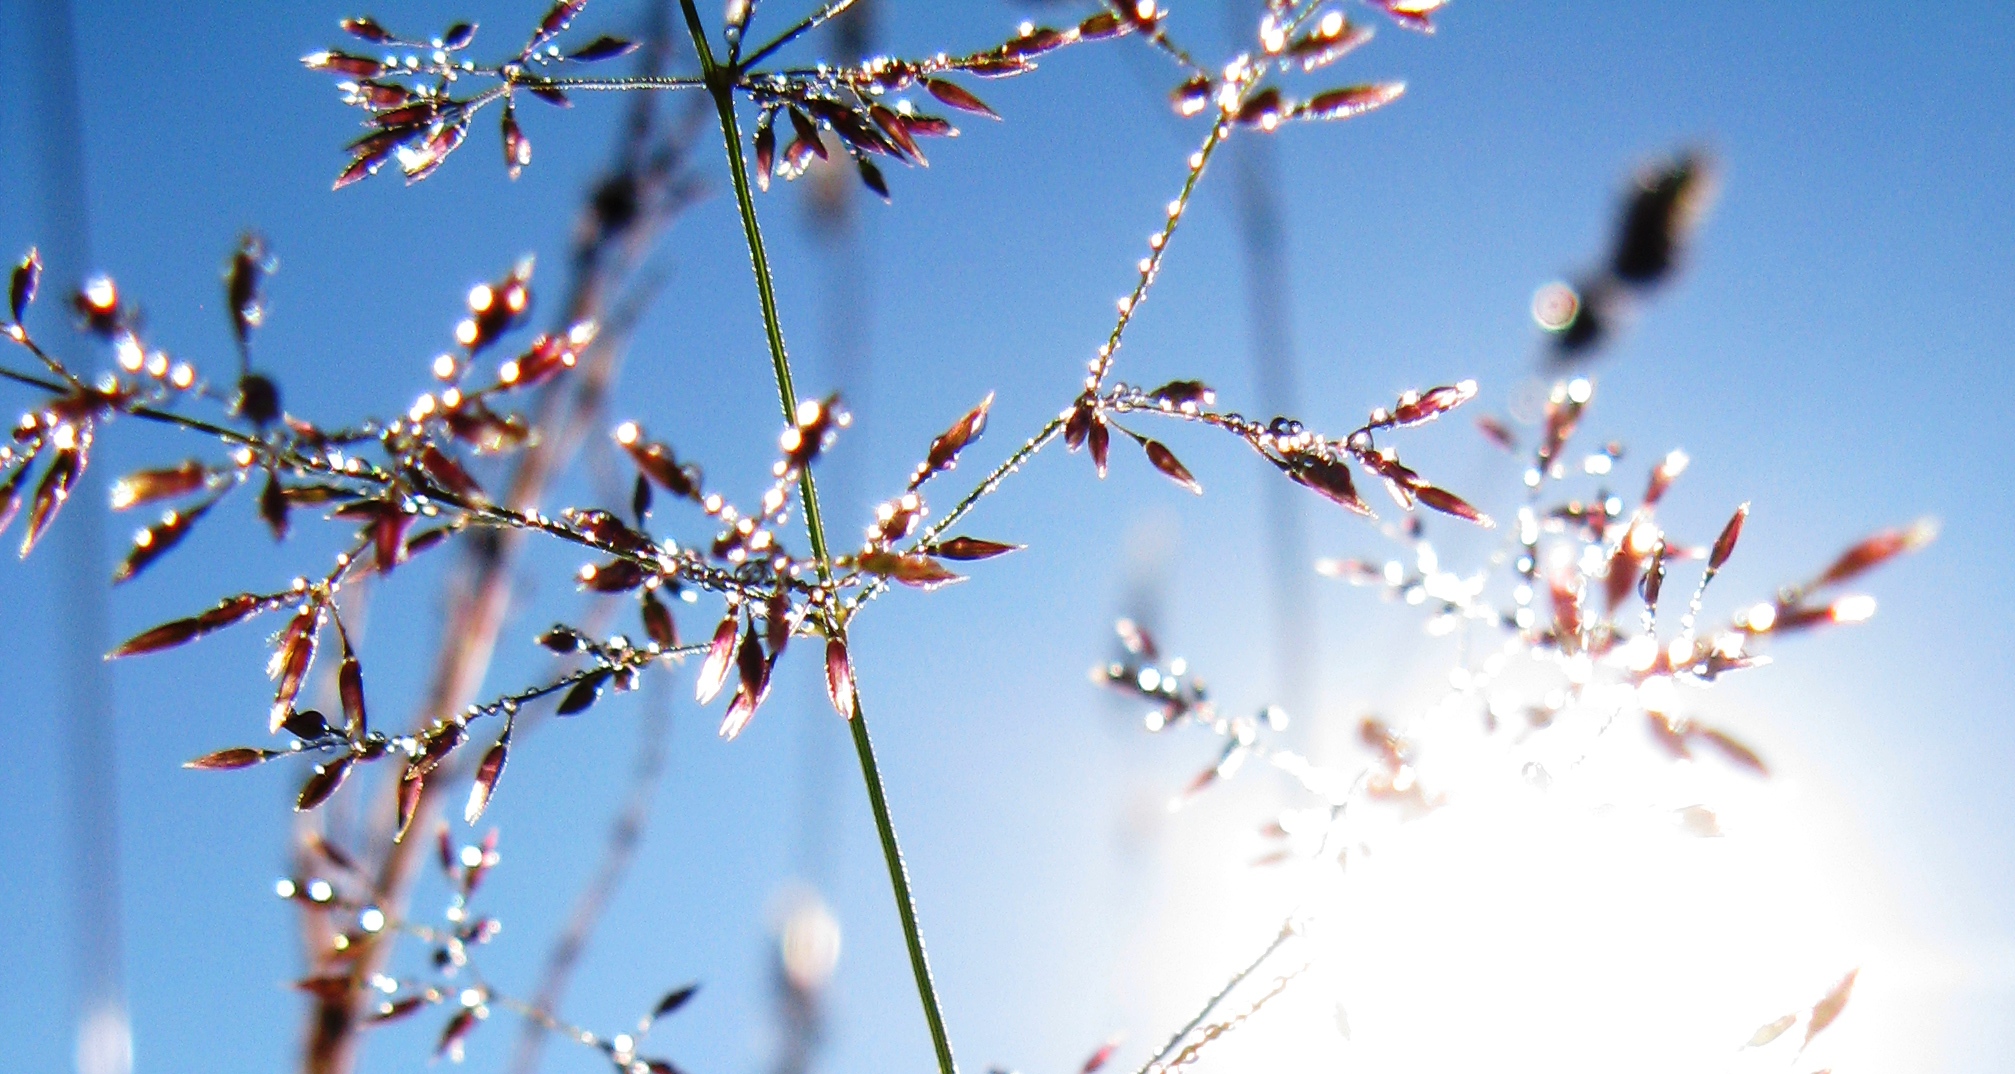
x,y
810,22
720,83
627,82
1161,1057
1157,249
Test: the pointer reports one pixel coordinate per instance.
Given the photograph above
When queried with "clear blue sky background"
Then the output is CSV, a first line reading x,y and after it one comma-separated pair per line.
x,y
1837,353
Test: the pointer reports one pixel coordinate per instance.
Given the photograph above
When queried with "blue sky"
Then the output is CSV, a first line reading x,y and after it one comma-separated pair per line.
x,y
1835,353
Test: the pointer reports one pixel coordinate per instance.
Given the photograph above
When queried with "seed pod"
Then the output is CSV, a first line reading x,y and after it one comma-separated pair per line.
x,y
461,1025
258,400
1828,1008
1038,40
957,96
970,548
673,1000
241,287
1165,461
343,63
561,639
1652,581
1349,101
517,147
1449,503
766,150
1330,478
10,496
1731,748
180,631
1724,545
393,1010
871,177
21,285
1498,433
714,671
777,623
995,66
485,784
1185,393
1766,1033
52,492
1412,14
1874,551
1327,42
226,760
306,724
1078,425
910,569
602,48
1417,408
1665,203
1099,440
155,541
350,687
388,538
658,623
290,661
945,448
1193,96
584,693
840,678
412,787
1264,109
750,663
656,462
273,506
323,783
615,576
640,499
368,29
896,127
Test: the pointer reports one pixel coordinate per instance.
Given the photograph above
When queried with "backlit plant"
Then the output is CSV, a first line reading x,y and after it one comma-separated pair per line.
x,y
1577,591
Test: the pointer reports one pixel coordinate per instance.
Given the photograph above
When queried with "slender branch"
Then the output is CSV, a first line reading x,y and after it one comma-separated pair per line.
x,y
632,82
810,22
1161,1057
148,413
625,836
1157,248
720,81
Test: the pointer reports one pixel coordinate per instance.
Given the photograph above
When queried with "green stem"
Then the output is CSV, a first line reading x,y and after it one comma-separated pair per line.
x,y
720,82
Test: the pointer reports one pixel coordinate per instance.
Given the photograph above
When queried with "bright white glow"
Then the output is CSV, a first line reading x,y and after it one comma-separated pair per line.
x,y
1853,609
1585,927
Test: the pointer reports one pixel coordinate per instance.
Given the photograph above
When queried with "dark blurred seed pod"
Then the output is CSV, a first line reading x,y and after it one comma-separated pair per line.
x,y
21,285
871,177
258,399
1665,203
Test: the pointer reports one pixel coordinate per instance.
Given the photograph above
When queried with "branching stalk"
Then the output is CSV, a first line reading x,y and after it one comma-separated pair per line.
x,y
720,82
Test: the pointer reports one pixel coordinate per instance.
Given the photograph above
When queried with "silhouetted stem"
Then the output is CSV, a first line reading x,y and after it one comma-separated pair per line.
x,y
720,83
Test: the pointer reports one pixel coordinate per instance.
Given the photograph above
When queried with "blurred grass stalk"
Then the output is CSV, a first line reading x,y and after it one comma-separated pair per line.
x,y
623,216
104,1040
